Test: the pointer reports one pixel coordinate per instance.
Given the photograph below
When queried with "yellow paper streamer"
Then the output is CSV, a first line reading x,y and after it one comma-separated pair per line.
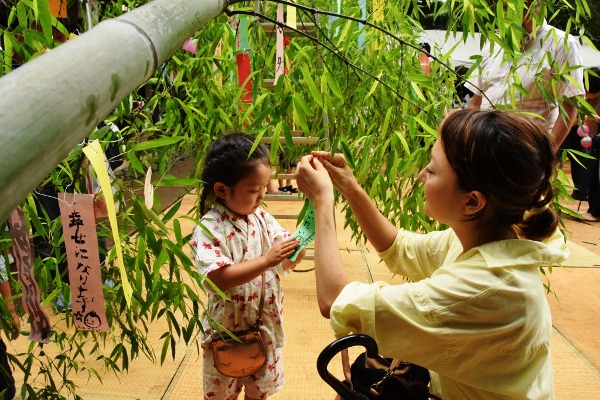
x,y
291,15
95,154
378,10
378,14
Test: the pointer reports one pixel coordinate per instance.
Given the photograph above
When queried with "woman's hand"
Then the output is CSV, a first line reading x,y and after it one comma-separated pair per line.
x,y
280,251
313,180
339,171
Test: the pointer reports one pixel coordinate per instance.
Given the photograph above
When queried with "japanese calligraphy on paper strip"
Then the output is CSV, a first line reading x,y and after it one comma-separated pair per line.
x,y
81,243
305,232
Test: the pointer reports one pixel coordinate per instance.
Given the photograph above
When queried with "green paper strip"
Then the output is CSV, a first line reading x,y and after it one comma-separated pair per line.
x,y
243,32
305,232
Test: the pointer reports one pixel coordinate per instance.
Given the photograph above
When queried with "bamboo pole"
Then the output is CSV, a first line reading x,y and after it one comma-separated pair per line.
x,y
52,103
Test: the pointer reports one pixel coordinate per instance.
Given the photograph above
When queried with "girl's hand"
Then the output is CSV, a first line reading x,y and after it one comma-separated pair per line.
x,y
280,251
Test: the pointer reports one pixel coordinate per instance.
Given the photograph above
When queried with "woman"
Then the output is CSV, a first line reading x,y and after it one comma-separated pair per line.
x,y
475,313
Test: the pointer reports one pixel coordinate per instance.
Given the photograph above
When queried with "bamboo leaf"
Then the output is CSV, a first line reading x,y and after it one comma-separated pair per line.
x,y
287,133
333,85
374,86
172,211
155,143
417,90
150,214
165,348
138,217
386,122
41,9
403,141
170,180
177,231
185,260
312,87
300,102
300,115
260,118
429,129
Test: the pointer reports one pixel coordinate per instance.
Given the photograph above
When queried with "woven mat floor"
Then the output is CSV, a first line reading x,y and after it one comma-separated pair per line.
x,y
575,351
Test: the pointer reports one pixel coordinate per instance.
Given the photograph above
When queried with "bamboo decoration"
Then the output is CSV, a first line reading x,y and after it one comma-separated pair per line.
x,y
279,57
57,99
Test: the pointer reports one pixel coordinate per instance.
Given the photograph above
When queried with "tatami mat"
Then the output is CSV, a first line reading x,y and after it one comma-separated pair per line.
x,y
307,332
581,257
574,377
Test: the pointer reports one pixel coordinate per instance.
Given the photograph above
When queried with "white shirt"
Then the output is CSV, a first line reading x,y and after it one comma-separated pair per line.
x,y
3,272
544,55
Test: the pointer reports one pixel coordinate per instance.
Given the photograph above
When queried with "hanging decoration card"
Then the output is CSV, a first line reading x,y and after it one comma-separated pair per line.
x,y
83,259
244,70
378,15
291,15
279,61
58,8
242,57
305,232
40,323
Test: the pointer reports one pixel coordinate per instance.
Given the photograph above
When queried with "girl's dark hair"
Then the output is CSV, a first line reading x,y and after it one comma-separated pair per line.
x,y
510,159
229,159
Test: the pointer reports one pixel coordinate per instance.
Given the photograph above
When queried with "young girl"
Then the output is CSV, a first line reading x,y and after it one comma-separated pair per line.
x,y
475,311
244,243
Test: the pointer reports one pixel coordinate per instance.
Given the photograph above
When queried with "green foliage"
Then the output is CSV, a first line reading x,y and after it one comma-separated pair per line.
x,y
371,101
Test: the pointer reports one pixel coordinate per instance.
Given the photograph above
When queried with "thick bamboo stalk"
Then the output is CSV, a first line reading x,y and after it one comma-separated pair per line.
x,y
52,103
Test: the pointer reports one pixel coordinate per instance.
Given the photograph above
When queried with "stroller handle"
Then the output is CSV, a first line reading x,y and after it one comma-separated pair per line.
x,y
334,348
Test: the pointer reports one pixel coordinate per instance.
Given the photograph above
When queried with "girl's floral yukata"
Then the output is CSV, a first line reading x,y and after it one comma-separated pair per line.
x,y
237,239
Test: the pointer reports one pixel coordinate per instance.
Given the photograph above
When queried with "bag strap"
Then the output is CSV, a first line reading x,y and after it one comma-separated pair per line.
x,y
394,364
263,235
262,303
346,366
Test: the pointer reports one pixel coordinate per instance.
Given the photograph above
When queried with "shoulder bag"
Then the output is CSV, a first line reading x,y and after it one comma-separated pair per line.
x,y
244,353
372,377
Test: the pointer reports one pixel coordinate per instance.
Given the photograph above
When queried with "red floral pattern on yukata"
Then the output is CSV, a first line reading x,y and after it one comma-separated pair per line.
x,y
234,240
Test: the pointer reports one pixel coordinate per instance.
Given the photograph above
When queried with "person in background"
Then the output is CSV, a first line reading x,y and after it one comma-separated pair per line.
x,y
581,167
286,166
7,382
593,213
543,44
245,245
474,311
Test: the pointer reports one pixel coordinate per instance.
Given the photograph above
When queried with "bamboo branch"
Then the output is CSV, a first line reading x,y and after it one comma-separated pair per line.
x,y
314,12
335,53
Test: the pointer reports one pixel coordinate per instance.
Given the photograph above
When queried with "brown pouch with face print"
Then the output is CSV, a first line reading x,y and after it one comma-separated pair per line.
x,y
239,356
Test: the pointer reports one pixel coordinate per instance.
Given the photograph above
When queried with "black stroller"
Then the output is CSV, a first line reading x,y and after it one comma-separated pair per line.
x,y
372,377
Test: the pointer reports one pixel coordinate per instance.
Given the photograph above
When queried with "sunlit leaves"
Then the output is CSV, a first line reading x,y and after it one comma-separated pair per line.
x,y
373,103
